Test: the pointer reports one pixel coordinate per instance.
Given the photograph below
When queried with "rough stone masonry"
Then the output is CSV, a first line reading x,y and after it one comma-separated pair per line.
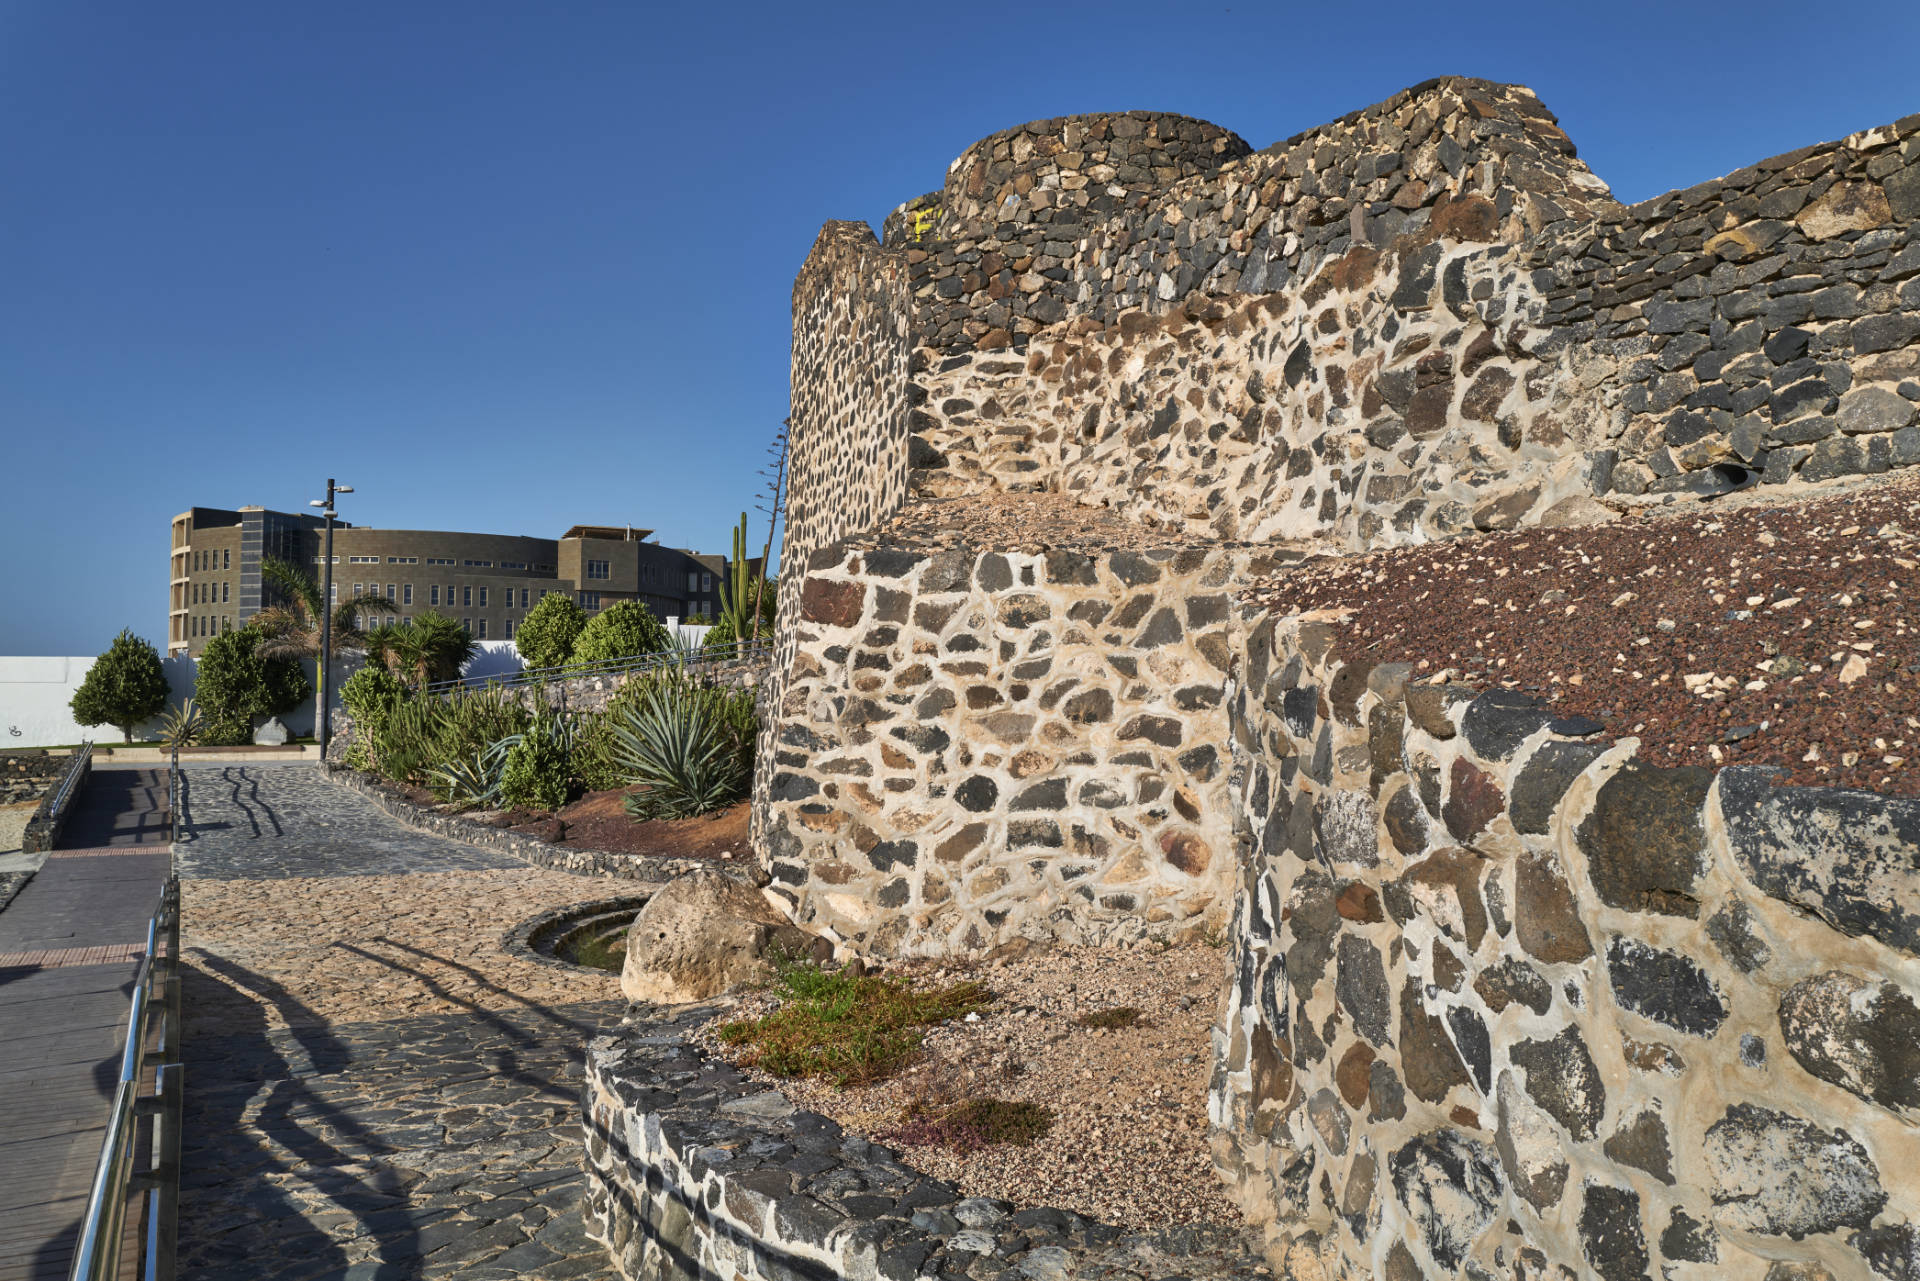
x,y
1506,1002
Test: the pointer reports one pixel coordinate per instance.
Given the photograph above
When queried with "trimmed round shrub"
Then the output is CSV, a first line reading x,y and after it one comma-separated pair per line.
x,y
125,686
625,629
552,626
235,686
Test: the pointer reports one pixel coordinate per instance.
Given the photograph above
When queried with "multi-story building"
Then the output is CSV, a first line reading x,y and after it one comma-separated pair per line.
x,y
488,582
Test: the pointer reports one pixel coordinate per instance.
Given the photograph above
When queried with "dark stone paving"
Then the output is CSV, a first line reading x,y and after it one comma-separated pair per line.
x,y
444,1145
249,822
440,1146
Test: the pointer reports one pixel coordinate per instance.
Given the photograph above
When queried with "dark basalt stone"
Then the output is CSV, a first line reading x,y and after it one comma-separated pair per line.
x,y
1857,1033
832,602
1610,1233
1845,856
1050,794
978,794
1546,918
1782,1175
1498,721
1642,1143
1162,730
1474,799
1544,779
1688,1240
1360,982
1427,1057
1645,840
1665,987
1451,1187
1892,1250
993,574
1476,1048
1406,821
1562,1079
1733,930
1511,981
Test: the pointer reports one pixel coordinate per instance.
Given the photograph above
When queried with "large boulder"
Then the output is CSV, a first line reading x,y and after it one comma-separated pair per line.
x,y
704,934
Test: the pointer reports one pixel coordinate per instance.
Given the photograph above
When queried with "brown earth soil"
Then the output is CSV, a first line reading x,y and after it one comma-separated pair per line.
x,y
1763,633
597,821
1129,1139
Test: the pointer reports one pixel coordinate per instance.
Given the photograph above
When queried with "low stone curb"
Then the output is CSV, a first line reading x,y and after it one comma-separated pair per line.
x,y
44,828
693,1170
580,862
11,883
518,941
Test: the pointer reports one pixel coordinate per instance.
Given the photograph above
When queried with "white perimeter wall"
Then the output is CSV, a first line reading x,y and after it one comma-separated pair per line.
x,y
36,693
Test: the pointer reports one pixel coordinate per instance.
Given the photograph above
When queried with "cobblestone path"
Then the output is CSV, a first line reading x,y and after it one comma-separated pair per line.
x,y
374,1088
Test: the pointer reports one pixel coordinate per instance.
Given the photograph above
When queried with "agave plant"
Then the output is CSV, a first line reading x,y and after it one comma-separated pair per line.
x,y
474,779
180,726
679,742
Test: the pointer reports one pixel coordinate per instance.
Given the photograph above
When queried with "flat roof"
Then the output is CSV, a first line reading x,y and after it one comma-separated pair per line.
x,y
615,533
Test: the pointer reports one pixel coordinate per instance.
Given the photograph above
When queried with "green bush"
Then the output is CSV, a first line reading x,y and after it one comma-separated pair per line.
x,y
546,637
625,629
420,734
473,780
537,773
236,686
688,746
724,634
125,686
370,696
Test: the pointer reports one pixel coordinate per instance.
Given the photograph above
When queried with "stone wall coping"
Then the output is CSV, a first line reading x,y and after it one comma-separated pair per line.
x,y
456,827
773,1190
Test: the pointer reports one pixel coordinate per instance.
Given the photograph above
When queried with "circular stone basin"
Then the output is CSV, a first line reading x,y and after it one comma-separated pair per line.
x,y
587,937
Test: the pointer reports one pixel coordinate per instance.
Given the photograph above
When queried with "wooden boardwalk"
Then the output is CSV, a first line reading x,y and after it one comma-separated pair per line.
x,y
70,946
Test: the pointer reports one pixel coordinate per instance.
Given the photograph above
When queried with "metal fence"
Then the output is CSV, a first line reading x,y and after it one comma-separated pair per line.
x,y
737,652
147,1105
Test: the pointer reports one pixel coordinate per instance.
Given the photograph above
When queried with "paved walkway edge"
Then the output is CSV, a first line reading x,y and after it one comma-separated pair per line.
x,y
582,862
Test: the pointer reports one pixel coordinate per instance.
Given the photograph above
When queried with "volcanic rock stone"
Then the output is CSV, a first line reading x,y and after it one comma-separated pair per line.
x,y
704,934
1642,1143
1450,1185
1782,1175
1361,984
1498,721
1529,1146
1858,1034
1645,841
1544,779
1562,1079
1610,1233
1546,918
1664,986
1427,1057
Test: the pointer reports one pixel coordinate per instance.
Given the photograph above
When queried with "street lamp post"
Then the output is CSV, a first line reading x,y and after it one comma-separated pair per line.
x,y
325,664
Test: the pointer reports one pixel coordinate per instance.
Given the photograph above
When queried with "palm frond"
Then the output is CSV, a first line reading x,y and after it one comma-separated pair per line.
x,y
297,584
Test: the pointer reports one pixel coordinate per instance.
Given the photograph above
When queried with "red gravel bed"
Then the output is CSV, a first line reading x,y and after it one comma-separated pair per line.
x,y
1771,633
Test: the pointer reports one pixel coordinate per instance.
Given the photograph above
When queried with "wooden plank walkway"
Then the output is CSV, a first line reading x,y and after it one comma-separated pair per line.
x,y
63,1012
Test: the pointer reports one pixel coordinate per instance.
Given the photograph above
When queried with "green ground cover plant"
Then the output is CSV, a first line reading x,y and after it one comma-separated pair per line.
x,y
844,1027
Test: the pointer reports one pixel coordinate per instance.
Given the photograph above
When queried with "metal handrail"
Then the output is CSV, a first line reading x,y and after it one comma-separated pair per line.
x,y
153,1041
738,651
71,779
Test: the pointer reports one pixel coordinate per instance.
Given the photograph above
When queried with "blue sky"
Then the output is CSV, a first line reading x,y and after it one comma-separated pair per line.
x,y
509,267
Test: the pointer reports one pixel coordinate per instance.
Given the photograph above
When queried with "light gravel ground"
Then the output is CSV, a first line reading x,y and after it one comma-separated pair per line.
x,y
13,825
1129,1142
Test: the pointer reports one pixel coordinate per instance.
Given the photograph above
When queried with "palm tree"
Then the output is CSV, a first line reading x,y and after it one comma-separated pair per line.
x,y
292,629
429,648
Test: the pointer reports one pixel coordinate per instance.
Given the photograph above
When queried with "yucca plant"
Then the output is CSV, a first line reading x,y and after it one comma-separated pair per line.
x,y
180,726
681,744
476,779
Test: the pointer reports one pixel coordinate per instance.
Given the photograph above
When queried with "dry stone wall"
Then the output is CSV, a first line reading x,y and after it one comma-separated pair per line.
x,y
1509,1003
976,745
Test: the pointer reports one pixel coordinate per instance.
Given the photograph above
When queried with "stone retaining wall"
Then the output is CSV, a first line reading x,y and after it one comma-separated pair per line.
x,y
49,820
1509,1001
693,1173
561,858
25,776
973,746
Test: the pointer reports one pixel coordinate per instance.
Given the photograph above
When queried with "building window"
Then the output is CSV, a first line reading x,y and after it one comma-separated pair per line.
x,y
590,600
439,560
226,622
333,593
513,564
226,559
706,582
482,633
433,594
598,569
363,560
406,594
483,598
403,560
392,592
480,564
523,598
226,592
509,629
468,624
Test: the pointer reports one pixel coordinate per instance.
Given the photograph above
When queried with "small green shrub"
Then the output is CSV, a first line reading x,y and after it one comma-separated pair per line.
x,y
537,774
369,695
546,637
972,1126
848,1028
473,780
236,685
686,746
1116,1017
625,629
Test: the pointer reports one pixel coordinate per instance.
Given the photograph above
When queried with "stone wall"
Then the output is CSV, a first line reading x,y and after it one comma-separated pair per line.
x,y
693,1172
975,745
1509,1003
50,816
25,776
1466,361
